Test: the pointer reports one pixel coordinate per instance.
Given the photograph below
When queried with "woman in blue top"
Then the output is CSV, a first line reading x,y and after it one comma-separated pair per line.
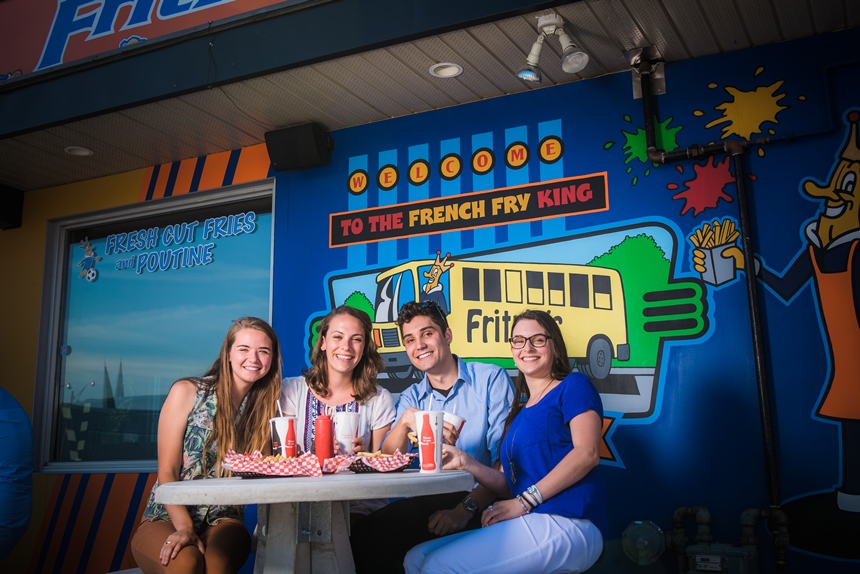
x,y
553,518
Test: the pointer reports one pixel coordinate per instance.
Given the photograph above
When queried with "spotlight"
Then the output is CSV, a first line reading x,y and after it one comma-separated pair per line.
x,y
573,59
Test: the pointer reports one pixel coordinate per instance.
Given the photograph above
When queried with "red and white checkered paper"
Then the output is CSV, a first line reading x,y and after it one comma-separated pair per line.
x,y
384,463
337,463
255,464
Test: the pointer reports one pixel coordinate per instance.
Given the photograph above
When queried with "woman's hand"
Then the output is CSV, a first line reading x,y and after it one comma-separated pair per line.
x,y
357,446
176,541
502,510
454,459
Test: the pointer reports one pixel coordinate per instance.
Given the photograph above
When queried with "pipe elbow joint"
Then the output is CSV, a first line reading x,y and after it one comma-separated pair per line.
x,y
655,156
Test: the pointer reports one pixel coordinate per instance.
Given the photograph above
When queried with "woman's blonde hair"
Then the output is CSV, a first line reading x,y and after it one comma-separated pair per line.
x,y
364,375
251,432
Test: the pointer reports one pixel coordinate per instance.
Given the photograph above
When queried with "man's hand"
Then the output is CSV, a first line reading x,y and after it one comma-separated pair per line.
x,y
449,434
444,522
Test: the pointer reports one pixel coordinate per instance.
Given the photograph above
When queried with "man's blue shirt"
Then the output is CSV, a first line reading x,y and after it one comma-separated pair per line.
x,y
482,395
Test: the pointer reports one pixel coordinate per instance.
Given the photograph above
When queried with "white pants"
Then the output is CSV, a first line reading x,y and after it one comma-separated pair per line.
x,y
531,544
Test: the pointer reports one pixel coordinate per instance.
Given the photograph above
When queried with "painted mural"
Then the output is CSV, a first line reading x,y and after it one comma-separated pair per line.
x,y
502,207
547,199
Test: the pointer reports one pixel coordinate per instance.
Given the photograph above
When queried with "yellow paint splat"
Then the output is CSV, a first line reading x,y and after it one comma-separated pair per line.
x,y
698,113
747,111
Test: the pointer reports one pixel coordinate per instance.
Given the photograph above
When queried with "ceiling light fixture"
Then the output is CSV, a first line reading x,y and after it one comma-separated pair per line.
x,y
446,70
78,151
573,59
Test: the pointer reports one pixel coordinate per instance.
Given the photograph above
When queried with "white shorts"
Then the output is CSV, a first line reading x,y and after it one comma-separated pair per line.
x,y
531,544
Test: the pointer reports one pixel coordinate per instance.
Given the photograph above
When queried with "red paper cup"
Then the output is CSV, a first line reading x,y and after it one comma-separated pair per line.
x,y
428,426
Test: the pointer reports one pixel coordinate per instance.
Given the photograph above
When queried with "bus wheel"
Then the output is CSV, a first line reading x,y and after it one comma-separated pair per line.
x,y
402,374
599,360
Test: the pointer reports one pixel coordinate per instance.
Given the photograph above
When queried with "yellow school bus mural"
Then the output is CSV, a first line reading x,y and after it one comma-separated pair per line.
x,y
481,299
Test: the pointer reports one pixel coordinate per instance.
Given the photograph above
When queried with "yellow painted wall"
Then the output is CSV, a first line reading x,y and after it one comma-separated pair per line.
x,y
22,253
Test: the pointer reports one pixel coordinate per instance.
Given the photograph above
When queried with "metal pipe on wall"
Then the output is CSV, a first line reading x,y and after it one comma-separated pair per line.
x,y
736,149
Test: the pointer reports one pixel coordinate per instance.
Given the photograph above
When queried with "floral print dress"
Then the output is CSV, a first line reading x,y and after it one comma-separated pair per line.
x,y
197,432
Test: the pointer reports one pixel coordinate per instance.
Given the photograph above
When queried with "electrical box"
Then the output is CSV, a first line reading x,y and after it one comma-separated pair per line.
x,y
722,558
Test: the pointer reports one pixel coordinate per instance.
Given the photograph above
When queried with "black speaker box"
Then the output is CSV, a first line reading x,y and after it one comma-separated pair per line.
x,y
298,147
11,207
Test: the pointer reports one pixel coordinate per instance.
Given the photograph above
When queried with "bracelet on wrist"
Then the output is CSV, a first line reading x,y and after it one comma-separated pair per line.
x,y
530,499
523,504
535,493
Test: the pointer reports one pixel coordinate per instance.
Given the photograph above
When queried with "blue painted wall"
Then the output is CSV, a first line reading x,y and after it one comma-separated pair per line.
x,y
688,431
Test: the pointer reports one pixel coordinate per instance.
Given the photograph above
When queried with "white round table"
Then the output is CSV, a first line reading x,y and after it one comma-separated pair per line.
x,y
300,509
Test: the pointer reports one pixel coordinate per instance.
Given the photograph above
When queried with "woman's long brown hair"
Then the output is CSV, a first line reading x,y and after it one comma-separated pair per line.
x,y
364,375
251,432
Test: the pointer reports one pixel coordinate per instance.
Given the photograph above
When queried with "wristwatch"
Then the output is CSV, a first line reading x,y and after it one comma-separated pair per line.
x,y
471,505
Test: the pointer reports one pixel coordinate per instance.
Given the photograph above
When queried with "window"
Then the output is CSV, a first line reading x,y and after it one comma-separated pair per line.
x,y
579,294
534,287
136,298
602,292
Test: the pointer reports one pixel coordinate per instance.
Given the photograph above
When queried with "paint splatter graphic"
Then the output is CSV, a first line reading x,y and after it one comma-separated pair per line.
x,y
705,190
745,113
635,146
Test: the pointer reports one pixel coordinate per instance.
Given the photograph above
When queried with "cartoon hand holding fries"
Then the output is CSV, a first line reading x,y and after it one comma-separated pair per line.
x,y
716,256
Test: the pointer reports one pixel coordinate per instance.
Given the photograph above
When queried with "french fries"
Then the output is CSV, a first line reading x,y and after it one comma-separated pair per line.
x,y
413,437
714,234
376,454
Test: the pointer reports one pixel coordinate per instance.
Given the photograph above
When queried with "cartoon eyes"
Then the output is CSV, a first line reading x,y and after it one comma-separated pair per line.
x,y
848,182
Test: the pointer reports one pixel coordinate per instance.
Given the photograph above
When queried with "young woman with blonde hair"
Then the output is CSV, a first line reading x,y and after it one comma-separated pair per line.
x,y
202,418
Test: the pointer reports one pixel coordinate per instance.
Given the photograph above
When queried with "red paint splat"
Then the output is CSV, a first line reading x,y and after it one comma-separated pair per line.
x,y
705,190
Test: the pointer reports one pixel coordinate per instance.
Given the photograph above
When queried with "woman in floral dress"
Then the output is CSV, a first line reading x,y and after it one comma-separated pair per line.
x,y
203,418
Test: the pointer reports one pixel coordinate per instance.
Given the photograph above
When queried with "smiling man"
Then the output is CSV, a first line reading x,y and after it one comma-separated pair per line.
x,y
479,393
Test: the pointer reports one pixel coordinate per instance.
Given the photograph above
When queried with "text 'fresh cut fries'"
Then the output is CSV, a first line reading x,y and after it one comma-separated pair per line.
x,y
715,234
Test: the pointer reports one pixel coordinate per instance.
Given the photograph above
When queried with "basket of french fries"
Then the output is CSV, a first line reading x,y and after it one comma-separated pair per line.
x,y
712,239
378,462
256,465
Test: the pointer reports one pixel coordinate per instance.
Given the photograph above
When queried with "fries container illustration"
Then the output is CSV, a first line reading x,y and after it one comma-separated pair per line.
x,y
712,240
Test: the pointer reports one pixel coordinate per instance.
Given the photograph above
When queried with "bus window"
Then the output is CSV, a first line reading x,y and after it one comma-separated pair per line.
x,y
386,308
513,286
406,289
555,286
534,287
602,292
493,285
579,291
471,284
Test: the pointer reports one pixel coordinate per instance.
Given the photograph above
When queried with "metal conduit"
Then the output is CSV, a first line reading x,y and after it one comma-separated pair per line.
x,y
736,149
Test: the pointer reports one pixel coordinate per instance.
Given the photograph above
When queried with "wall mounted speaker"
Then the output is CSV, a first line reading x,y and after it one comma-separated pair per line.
x,y
11,207
299,147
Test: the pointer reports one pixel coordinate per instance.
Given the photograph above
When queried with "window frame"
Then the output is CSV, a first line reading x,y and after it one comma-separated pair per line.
x,y
51,321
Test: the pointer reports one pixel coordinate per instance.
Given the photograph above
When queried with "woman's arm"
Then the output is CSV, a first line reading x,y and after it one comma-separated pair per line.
x,y
585,431
489,478
172,423
376,437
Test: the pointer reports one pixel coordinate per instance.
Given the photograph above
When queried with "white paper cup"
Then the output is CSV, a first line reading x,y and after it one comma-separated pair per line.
x,y
428,427
455,420
281,444
345,429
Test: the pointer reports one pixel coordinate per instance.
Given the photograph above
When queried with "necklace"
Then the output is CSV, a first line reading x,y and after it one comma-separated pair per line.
x,y
511,464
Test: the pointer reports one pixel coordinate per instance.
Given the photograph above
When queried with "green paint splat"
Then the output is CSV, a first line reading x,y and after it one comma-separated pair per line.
x,y
635,146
